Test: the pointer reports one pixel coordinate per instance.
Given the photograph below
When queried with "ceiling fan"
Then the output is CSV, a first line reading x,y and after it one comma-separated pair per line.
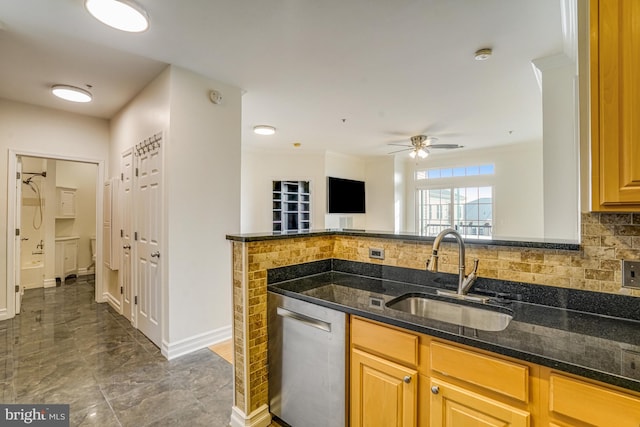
x,y
421,145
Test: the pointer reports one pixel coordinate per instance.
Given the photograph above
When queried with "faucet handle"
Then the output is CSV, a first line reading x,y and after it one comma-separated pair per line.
x,y
476,261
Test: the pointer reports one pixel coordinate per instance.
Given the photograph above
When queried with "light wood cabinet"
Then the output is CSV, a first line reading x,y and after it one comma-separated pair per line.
x,y
401,378
384,376
383,393
578,402
615,104
453,406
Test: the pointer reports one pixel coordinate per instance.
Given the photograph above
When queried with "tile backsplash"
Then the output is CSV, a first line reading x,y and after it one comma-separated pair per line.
x,y
607,239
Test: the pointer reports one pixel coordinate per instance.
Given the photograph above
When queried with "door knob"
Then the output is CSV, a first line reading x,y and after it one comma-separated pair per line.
x,y
407,379
435,389
126,247
155,254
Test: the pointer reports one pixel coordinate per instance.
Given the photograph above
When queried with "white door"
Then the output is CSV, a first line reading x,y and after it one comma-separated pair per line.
x,y
148,215
126,216
17,240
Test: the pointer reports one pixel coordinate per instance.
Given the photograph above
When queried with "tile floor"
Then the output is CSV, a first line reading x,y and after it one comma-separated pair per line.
x,y
65,348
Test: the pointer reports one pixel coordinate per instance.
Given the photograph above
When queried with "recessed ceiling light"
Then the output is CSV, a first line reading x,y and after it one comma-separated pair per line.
x,y
264,130
124,15
71,93
483,54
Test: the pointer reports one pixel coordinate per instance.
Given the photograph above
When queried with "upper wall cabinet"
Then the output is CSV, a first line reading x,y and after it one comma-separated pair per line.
x,y
66,201
615,105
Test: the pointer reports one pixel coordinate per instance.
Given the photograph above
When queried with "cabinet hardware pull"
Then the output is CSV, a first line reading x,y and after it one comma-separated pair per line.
x,y
126,247
155,254
407,379
435,389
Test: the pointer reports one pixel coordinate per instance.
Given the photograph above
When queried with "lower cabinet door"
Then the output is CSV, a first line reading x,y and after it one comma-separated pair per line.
x,y
383,393
454,406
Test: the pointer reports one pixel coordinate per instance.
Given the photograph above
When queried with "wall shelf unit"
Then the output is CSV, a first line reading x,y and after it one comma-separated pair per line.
x,y
291,206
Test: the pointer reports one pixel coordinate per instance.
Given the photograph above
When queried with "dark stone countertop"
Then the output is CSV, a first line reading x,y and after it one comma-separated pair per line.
x,y
593,345
406,236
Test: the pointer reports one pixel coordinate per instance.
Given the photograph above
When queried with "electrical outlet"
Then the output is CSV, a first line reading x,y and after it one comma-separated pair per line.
x,y
631,274
379,254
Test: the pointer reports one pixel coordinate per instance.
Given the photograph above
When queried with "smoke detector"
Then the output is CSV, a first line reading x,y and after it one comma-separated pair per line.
x,y
483,54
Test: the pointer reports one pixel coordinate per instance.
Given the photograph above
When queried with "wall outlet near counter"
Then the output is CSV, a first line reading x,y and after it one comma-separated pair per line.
x,y
631,274
379,254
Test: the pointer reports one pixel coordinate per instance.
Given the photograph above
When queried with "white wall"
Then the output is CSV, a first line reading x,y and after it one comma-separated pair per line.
x,y
561,177
201,191
261,167
82,177
202,159
39,130
380,193
518,186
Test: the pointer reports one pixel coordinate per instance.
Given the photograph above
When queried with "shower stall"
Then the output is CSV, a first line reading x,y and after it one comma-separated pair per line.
x,y
32,231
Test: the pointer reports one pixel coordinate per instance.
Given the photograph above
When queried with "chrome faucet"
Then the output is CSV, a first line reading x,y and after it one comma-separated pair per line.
x,y
40,245
464,282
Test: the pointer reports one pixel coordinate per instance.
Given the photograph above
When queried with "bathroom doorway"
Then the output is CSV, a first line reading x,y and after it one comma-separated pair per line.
x,y
54,219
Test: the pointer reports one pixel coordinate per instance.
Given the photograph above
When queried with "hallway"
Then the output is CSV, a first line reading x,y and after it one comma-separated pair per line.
x,y
66,348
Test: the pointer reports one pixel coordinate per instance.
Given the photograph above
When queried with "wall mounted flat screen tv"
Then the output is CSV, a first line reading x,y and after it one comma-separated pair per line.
x,y
345,196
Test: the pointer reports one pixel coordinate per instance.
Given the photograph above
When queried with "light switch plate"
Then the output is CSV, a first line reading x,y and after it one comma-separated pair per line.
x,y
631,274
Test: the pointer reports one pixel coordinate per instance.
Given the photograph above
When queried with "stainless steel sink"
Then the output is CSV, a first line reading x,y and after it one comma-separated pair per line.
x,y
471,316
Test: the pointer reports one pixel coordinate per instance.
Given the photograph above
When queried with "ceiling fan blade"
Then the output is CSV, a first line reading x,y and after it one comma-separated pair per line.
x,y
398,144
443,146
399,151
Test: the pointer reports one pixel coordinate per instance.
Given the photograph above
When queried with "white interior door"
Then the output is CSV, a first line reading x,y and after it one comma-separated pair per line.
x,y
148,217
18,238
126,216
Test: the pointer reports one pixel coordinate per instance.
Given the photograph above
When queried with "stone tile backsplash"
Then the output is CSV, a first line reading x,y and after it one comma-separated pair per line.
x,y
607,239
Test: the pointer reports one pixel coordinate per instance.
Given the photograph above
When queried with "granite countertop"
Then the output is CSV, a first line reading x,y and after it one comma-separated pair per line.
x,y
593,345
407,236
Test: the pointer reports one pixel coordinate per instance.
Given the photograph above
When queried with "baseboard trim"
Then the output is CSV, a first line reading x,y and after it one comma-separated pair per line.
x,y
84,271
196,342
258,418
113,301
49,283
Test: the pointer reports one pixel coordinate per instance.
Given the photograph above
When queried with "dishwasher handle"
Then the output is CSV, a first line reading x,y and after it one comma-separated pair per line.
x,y
309,321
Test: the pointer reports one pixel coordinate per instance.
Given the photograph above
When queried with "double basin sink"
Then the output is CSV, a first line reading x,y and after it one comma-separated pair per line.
x,y
471,315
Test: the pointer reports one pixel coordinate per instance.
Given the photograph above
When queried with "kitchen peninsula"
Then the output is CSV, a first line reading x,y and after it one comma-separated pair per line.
x,y
258,259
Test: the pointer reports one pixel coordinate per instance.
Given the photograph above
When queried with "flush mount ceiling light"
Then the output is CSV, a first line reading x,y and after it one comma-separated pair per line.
x,y
264,130
124,15
71,93
483,54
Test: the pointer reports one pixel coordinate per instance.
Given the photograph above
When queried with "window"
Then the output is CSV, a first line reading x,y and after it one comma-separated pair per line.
x,y
291,206
451,172
466,209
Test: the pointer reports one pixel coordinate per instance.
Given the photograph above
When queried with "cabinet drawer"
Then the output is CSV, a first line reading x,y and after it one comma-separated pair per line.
x,y
592,404
507,378
393,344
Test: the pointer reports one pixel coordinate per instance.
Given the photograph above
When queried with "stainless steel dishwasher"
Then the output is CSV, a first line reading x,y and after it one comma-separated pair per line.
x,y
307,354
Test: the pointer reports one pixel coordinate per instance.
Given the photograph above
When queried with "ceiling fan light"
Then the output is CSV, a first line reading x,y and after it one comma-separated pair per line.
x,y
422,153
71,93
413,154
123,15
